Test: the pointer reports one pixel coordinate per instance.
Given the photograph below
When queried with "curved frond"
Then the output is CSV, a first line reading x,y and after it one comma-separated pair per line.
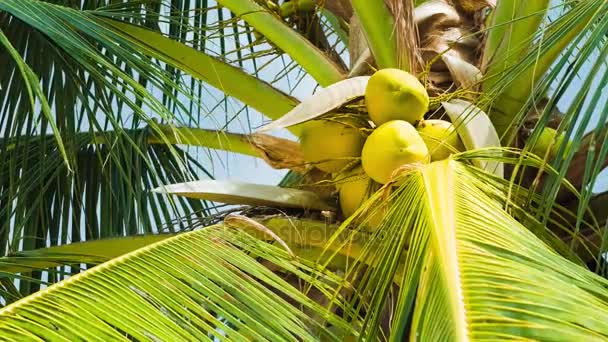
x,y
101,90
556,80
91,252
34,91
466,269
94,87
225,77
44,204
199,285
512,30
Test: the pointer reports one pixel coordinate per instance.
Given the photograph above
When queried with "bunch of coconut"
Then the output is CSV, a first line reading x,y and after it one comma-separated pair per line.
x,y
363,155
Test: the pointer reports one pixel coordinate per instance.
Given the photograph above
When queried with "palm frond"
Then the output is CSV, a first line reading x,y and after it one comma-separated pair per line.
x,y
231,80
101,87
465,268
305,237
523,86
448,258
89,252
43,203
512,30
100,78
92,85
34,91
53,264
199,285
557,82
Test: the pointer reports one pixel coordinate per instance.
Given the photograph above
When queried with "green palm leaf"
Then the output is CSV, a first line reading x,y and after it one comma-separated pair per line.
x,y
41,198
454,252
93,99
229,79
100,177
186,292
581,24
103,84
34,91
91,252
467,270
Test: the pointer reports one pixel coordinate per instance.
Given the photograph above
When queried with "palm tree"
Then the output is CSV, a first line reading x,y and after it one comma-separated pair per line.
x,y
108,106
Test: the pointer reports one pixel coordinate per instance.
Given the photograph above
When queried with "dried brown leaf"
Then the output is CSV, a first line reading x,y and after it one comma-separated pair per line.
x,y
357,43
470,6
434,15
463,73
340,8
279,153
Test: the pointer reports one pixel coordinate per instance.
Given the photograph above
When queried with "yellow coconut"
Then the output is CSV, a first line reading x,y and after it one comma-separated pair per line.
x,y
356,188
390,146
393,94
440,138
331,145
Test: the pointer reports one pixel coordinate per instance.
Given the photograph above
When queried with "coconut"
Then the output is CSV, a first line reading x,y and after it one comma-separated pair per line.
x,y
393,94
550,140
330,145
356,188
440,138
390,146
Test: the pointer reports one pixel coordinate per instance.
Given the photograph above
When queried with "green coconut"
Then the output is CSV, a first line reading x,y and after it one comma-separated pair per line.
x,y
393,94
550,140
440,138
356,188
390,146
331,145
